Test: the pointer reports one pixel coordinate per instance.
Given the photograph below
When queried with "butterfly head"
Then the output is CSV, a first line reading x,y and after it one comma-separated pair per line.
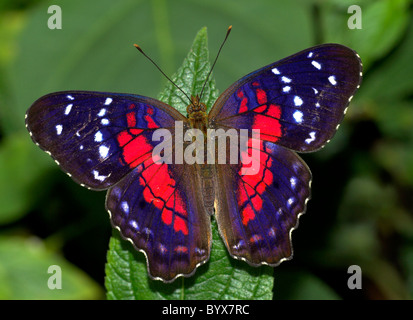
x,y
196,106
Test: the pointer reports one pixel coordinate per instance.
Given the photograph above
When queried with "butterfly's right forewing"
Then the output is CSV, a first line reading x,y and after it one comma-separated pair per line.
x,y
95,136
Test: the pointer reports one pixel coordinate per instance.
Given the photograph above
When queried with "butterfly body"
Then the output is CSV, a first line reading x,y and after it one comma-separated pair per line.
x,y
112,141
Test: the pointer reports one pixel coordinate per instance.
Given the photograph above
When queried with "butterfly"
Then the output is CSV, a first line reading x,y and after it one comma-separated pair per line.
x,y
106,140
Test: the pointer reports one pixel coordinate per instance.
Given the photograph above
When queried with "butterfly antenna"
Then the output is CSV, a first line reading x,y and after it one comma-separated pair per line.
x,y
153,62
215,61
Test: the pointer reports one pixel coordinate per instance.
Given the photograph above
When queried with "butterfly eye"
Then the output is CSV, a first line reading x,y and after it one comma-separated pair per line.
x,y
203,107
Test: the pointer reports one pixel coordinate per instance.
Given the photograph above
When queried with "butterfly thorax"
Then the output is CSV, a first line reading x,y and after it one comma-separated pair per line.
x,y
197,115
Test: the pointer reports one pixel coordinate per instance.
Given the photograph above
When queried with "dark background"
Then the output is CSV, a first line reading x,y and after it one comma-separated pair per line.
x,y
362,197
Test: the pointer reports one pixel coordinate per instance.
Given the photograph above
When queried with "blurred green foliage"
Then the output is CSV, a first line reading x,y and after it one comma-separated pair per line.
x,y
361,209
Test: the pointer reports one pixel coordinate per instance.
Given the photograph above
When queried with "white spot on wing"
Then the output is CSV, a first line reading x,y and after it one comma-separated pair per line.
x,y
134,224
102,112
311,139
163,249
310,55
298,116
70,97
298,101
285,79
316,64
59,129
68,108
99,177
108,101
104,121
293,182
286,89
103,151
125,207
332,80
276,71
98,136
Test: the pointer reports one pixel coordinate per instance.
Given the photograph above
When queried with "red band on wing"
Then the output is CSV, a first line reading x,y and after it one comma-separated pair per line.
x,y
267,121
255,238
180,225
267,115
131,119
251,187
148,118
159,187
181,249
261,96
160,191
243,107
135,147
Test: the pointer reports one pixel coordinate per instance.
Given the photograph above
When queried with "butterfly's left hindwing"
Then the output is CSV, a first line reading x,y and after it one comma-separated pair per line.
x,y
97,138
256,212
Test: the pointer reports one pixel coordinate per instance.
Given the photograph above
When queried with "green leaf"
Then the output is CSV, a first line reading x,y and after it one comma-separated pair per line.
x,y
24,273
191,77
222,277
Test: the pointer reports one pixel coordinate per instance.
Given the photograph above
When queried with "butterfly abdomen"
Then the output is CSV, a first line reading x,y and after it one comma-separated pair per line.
x,y
207,175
